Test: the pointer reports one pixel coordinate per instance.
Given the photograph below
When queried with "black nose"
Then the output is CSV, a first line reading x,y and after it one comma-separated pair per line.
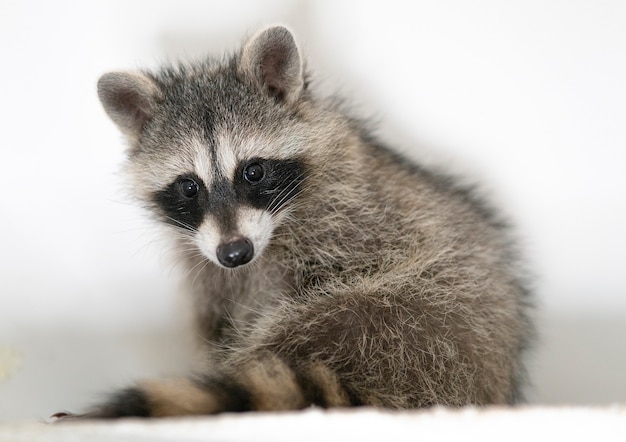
x,y
235,253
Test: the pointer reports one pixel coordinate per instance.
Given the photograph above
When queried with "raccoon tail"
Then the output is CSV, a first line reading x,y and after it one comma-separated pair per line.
x,y
265,383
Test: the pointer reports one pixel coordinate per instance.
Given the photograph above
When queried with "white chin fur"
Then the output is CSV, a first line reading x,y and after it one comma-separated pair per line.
x,y
255,224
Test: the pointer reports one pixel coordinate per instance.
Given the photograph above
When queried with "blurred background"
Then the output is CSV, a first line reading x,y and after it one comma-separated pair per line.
x,y
527,97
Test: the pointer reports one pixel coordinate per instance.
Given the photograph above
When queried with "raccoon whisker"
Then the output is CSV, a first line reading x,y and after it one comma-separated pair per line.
x,y
189,252
295,204
285,195
200,270
275,198
144,246
183,236
201,263
185,226
165,249
269,191
285,190
183,245
288,197
196,270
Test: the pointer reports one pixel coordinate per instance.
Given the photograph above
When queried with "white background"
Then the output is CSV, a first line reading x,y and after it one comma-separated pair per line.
x,y
527,97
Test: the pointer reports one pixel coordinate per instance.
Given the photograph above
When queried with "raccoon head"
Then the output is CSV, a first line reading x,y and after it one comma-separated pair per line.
x,y
217,147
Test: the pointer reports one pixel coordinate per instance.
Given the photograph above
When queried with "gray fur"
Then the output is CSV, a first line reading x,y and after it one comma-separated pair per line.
x,y
382,283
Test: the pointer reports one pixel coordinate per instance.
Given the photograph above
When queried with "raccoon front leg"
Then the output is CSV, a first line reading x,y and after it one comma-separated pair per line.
x,y
265,382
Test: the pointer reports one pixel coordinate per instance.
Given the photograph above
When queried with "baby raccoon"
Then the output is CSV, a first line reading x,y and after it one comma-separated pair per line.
x,y
328,270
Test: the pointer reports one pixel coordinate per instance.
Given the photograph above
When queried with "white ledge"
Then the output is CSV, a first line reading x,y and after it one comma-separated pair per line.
x,y
364,424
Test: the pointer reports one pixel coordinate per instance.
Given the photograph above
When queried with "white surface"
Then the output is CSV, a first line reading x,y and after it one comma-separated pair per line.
x,y
563,424
528,96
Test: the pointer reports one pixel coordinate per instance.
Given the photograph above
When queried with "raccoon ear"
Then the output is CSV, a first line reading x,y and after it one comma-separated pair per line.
x,y
273,60
129,98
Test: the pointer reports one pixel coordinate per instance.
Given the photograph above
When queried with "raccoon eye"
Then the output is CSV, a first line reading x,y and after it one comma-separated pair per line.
x,y
253,173
188,188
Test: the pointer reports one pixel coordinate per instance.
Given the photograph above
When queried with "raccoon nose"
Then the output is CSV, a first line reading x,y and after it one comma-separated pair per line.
x,y
235,253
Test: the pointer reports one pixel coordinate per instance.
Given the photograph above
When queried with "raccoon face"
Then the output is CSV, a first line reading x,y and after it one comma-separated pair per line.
x,y
211,148
231,219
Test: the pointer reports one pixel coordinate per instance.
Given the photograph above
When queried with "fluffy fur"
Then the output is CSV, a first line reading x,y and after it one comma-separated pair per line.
x,y
346,276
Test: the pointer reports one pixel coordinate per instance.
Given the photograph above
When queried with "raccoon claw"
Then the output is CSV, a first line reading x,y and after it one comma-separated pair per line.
x,y
60,415
63,416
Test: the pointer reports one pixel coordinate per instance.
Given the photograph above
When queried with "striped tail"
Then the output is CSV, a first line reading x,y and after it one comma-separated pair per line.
x,y
264,383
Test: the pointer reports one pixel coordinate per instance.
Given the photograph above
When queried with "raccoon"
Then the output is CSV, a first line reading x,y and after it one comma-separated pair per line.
x,y
328,270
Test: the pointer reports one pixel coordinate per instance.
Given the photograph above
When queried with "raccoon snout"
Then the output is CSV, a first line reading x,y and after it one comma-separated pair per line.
x,y
235,253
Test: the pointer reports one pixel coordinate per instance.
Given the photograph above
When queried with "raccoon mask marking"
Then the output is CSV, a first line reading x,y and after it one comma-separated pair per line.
x,y
238,210
375,280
